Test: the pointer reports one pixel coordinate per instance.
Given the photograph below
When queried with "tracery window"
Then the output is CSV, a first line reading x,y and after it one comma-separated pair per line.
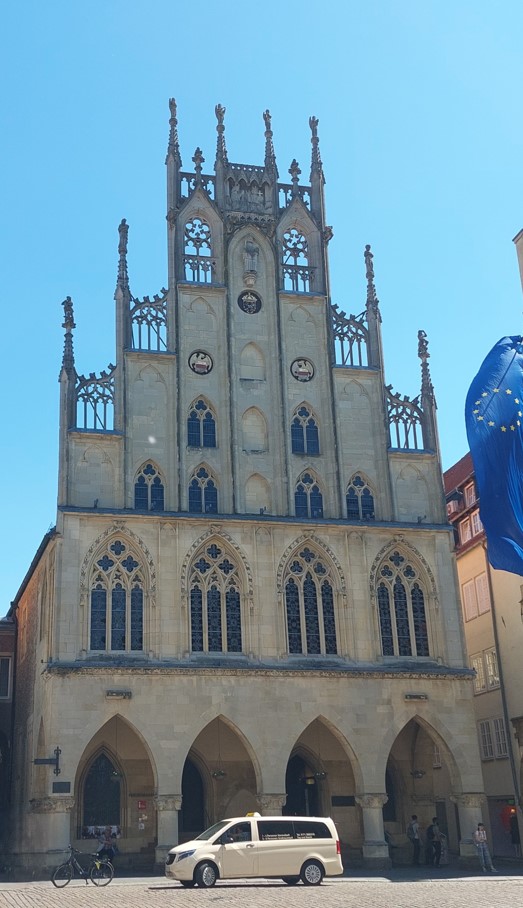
x,y
201,426
297,275
401,609
309,605
203,494
198,264
304,433
308,499
360,500
117,600
148,489
215,603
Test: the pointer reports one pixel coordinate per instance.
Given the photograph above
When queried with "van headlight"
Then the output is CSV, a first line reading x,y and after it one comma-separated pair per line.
x,y
183,855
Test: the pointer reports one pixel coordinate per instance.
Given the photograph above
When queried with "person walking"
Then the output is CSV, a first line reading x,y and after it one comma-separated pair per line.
x,y
413,834
480,841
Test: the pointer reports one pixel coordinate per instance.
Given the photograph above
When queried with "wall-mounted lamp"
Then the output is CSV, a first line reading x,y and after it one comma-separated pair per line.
x,y
417,773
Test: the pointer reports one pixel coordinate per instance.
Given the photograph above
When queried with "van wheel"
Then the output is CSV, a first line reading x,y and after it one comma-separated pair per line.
x,y
187,884
206,875
291,880
312,873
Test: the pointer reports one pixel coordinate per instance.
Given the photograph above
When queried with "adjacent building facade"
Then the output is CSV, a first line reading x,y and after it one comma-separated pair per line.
x,y
249,601
492,603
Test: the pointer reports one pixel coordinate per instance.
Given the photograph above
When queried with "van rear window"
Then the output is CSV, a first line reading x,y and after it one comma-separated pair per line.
x,y
274,830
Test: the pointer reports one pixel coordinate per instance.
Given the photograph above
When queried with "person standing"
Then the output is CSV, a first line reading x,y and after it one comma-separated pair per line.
x,y
413,834
434,837
480,841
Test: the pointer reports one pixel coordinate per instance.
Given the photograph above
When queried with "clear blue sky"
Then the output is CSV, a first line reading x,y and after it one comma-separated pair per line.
x,y
421,136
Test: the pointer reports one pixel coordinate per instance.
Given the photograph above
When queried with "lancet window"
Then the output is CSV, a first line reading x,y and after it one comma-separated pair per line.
x,y
201,426
215,603
401,609
148,489
198,264
117,600
360,500
297,275
309,605
203,493
304,433
308,498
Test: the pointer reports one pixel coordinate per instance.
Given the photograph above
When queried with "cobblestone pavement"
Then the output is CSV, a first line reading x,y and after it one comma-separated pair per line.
x,y
502,891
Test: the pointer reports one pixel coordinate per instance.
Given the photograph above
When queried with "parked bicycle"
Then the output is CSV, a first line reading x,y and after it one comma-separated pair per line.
x,y
100,870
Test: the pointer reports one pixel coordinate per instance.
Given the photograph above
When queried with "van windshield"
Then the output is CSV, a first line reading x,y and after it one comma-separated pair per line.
x,y
208,834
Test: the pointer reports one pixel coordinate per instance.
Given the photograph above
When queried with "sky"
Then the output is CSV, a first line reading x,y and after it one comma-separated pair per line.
x,y
421,135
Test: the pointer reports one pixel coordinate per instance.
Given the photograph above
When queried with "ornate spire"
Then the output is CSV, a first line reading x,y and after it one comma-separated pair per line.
x,y
295,171
270,157
68,324
123,277
427,387
198,160
173,147
316,165
372,299
221,149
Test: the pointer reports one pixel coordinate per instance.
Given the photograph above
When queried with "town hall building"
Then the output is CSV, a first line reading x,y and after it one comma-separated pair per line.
x,y
249,600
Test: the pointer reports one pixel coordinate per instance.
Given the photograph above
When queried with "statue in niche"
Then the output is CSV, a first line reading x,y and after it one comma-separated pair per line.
x,y
250,262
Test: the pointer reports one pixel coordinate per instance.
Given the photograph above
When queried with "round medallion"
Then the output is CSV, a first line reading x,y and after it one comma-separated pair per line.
x,y
302,370
200,362
249,302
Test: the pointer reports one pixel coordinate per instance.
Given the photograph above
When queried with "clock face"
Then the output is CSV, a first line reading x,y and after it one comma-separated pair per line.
x,y
302,370
200,362
249,302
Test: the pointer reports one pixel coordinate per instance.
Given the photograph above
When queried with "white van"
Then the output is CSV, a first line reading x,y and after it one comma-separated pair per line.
x,y
288,848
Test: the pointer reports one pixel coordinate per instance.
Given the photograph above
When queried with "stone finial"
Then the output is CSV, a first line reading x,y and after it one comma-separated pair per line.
x,y
270,158
295,172
198,160
173,147
68,324
221,150
427,388
372,299
316,165
123,277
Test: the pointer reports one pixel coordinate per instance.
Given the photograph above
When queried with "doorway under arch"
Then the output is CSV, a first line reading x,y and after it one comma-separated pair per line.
x,y
191,818
301,789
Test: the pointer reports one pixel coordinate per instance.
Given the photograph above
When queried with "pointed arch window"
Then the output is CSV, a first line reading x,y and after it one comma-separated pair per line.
x,y
101,795
308,499
198,264
304,433
215,603
201,426
360,500
117,601
309,605
203,493
401,609
149,489
297,275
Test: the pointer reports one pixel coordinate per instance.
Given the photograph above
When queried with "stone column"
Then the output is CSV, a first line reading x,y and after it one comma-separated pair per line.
x,y
470,814
167,807
49,823
375,848
271,804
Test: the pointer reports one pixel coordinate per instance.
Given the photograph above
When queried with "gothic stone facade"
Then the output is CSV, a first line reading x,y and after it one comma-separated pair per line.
x,y
249,601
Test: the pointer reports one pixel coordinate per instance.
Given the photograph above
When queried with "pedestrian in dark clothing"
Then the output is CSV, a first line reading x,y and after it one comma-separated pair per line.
x,y
434,837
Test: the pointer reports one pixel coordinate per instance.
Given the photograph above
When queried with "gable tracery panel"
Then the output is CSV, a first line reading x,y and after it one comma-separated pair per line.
x,y
198,263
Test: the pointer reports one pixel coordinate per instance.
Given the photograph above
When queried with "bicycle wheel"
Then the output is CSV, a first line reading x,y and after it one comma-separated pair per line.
x,y
101,873
62,875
